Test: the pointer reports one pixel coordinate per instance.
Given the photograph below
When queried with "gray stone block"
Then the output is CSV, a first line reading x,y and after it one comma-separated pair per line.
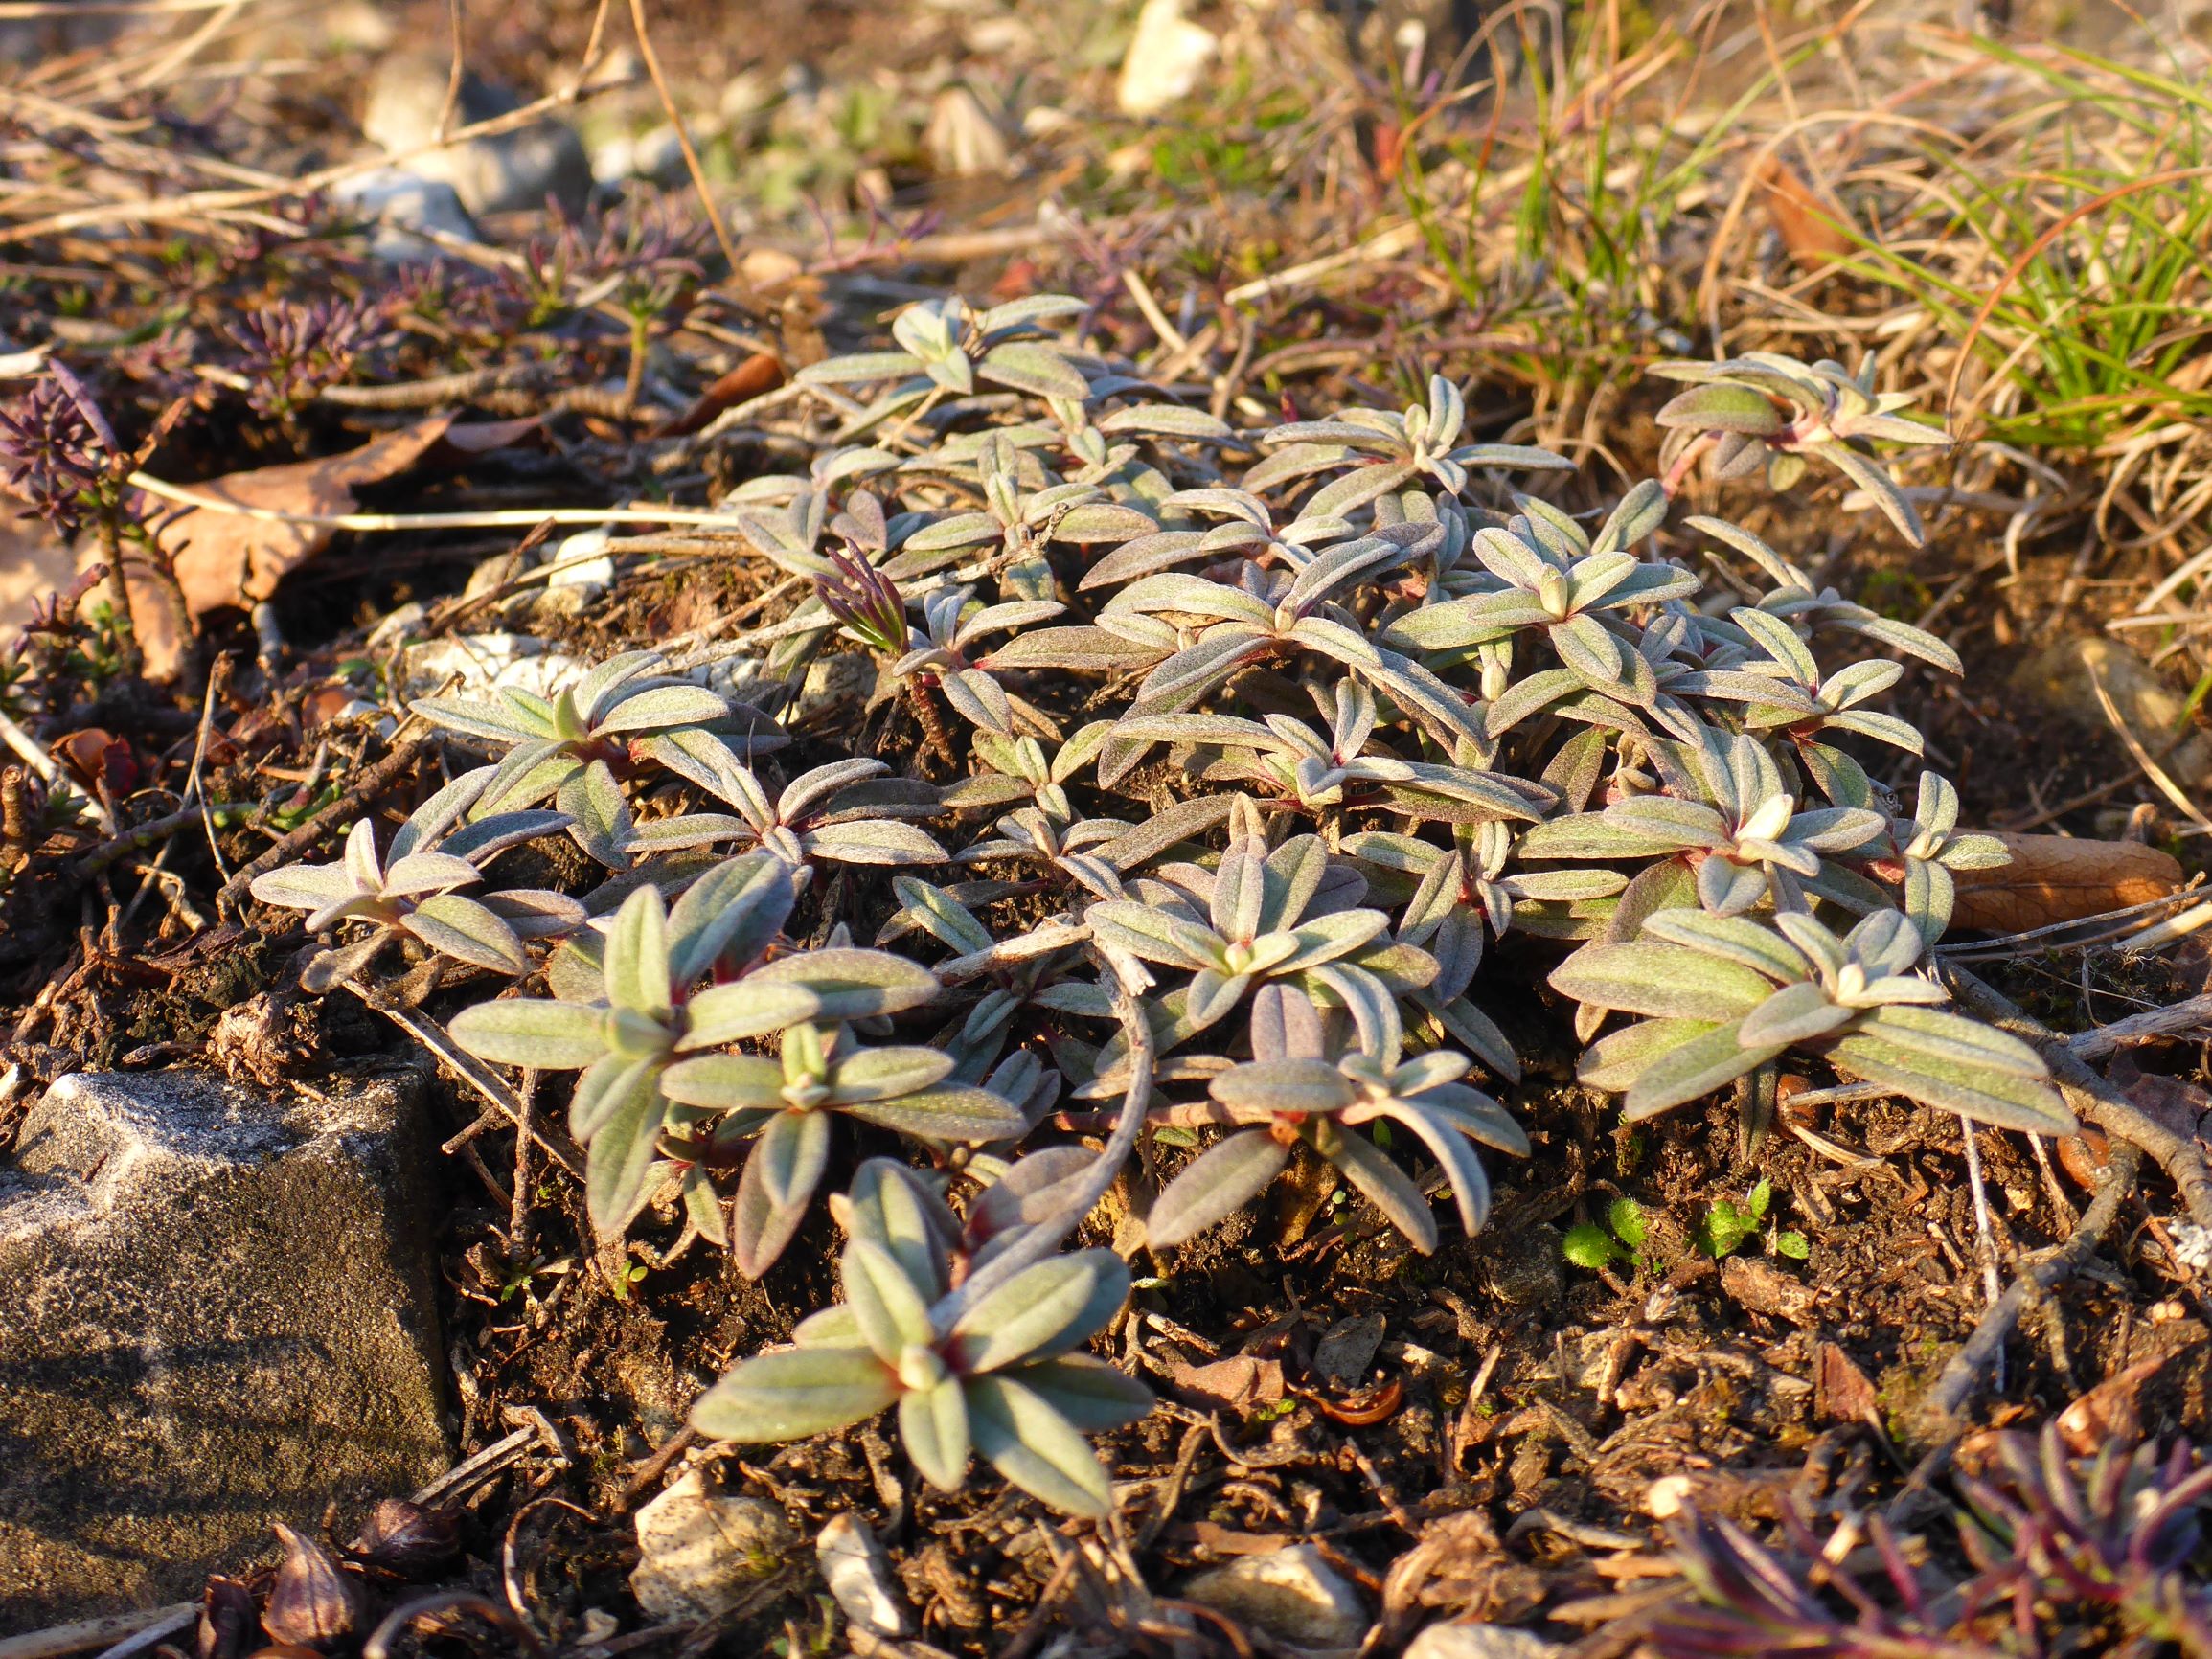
x,y
217,1311
502,172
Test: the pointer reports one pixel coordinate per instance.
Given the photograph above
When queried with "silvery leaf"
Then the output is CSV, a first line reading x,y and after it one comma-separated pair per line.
x,y
1166,420
1218,1184
781,1173
1793,1014
659,708
1870,476
933,1425
827,986
304,886
1665,980
1042,1311
636,959
873,841
430,821
858,367
550,1035
467,932
887,1073
951,1113
1385,1186
1090,1394
794,1393
599,813
619,1164
888,1307
725,1083
1035,1447
481,718
736,908
1984,1093
1690,1069
1616,1060
1257,1090
487,837
427,873
1033,368
1470,1181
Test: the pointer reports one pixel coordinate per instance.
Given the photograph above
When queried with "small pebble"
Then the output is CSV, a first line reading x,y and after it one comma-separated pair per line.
x,y
1293,1595
1347,1349
1479,1642
1665,1496
700,1555
854,1567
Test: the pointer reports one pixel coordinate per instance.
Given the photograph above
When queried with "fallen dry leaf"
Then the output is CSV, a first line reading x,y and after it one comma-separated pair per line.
x,y
226,560
2083,1156
2108,1413
1360,1410
2176,1103
1841,1390
1238,1384
758,374
1808,226
34,563
1211,1539
2054,879
1347,1348
100,759
1742,1495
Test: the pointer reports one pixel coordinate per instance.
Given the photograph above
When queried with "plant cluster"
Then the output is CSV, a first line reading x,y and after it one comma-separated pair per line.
x,y
2067,1555
59,454
1269,739
289,351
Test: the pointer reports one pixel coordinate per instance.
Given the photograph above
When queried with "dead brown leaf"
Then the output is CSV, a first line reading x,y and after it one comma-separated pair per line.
x,y
1841,1390
2084,1157
2054,879
224,559
1214,1541
2108,1413
34,563
1459,1568
1807,224
758,374
2176,1103
1361,1410
1240,1384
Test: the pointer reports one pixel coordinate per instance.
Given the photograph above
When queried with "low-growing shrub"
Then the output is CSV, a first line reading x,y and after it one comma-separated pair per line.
x,y
1404,709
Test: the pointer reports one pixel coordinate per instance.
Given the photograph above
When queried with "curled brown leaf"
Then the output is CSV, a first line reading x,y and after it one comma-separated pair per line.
x,y
2057,879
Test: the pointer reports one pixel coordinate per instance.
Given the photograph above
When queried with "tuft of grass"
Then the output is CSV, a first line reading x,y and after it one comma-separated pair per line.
x,y
2069,252
1555,218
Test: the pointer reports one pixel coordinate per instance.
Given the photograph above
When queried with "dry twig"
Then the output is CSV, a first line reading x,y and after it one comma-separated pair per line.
x,y
2092,1098
1985,1347
369,785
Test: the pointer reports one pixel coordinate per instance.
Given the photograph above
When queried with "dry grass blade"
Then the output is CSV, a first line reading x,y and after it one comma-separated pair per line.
x,y
2151,768
698,176
498,518
86,1635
